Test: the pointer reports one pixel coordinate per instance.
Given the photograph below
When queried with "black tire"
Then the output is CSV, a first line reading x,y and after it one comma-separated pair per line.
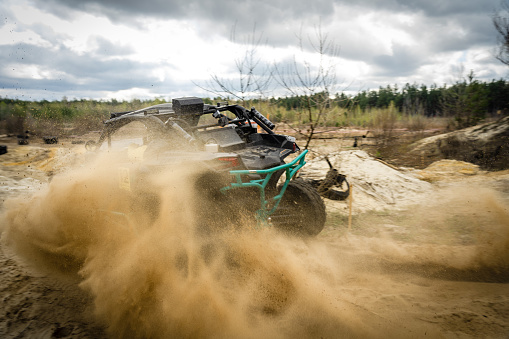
x,y
301,211
217,212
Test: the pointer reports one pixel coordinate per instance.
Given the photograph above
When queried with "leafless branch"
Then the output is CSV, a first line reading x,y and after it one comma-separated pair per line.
x,y
253,79
501,23
310,81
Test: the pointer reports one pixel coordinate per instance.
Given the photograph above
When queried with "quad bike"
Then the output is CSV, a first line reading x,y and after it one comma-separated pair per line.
x,y
246,174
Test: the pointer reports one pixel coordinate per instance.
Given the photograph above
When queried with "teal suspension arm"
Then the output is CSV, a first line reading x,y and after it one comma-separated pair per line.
x,y
268,206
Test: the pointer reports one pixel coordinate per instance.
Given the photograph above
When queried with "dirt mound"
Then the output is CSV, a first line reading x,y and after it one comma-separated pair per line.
x,y
376,185
484,145
446,170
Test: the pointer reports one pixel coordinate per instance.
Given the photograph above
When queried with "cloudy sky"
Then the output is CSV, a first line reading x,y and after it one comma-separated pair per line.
x,y
125,49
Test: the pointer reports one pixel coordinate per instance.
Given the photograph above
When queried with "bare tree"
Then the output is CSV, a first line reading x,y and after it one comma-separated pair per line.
x,y
501,23
312,82
253,78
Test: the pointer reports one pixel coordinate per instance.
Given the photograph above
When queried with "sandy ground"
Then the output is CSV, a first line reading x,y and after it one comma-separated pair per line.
x,y
433,265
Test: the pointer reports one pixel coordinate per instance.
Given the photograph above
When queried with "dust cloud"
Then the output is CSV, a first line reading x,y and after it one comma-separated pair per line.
x,y
461,234
153,274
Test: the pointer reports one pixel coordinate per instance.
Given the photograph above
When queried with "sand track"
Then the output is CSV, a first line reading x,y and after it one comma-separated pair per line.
x,y
435,269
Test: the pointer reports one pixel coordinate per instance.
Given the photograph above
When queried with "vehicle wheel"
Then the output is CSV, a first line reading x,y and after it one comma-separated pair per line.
x,y
301,211
215,211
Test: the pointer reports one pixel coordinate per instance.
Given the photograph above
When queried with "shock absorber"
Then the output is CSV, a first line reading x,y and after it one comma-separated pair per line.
x,y
264,123
181,132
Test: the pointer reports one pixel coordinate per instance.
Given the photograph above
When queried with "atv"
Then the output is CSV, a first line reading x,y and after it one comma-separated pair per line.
x,y
246,176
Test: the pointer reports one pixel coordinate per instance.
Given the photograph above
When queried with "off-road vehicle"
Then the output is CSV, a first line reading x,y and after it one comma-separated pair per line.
x,y
245,173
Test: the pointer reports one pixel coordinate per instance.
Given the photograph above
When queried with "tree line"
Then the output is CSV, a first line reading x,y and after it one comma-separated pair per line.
x,y
468,101
46,116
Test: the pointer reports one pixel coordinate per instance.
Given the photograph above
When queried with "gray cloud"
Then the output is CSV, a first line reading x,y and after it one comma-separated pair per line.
x,y
230,10
79,71
441,8
260,10
222,14
5,15
281,20
403,62
437,27
47,33
105,47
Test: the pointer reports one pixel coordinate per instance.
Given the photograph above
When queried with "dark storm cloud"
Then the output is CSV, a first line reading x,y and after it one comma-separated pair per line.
x,y
265,12
78,70
279,21
403,62
261,9
217,17
435,28
214,16
429,8
230,10
456,33
431,37
445,8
